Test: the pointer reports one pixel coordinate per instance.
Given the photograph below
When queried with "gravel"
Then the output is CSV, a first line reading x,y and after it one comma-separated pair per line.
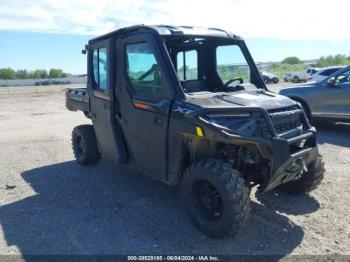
x,y
51,205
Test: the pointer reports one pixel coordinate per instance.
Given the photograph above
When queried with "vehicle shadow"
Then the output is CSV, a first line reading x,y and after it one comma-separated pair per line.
x,y
103,210
289,204
333,133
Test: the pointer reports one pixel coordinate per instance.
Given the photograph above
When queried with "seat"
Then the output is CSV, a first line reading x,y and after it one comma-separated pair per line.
x,y
191,86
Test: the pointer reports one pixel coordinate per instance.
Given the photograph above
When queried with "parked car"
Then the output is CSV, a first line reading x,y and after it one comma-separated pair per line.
x,y
296,77
56,82
269,78
324,73
45,83
312,70
327,99
51,82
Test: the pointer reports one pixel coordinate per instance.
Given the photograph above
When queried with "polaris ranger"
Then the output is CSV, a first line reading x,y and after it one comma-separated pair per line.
x,y
187,106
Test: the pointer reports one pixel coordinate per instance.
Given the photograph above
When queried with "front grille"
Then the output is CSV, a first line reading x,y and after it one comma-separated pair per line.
x,y
287,120
283,109
262,130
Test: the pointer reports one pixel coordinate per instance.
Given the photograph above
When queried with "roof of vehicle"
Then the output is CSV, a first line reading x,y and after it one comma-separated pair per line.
x,y
267,73
169,30
330,67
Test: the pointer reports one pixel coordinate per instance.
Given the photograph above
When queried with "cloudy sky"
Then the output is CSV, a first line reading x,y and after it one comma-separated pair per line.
x,y
46,33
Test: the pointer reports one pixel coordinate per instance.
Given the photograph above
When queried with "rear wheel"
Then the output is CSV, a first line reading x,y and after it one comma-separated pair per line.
x,y
296,79
309,180
84,145
216,197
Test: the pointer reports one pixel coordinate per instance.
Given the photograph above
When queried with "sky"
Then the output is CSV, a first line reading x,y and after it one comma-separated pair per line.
x,y
51,33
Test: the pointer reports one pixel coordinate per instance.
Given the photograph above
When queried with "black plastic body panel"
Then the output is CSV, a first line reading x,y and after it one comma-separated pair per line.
x,y
144,121
77,99
158,136
102,109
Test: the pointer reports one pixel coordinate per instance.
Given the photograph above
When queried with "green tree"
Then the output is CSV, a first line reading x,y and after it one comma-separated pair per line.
x,y
66,74
36,74
332,60
7,73
43,73
55,73
22,74
291,60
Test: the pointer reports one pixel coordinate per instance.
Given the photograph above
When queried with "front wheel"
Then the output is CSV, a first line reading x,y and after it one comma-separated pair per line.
x,y
308,181
216,197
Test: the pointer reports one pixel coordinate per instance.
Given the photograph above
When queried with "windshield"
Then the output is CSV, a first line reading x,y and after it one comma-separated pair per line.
x,y
231,63
210,64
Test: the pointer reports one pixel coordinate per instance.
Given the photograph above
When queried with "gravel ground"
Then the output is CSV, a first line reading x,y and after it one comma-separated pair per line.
x,y
51,205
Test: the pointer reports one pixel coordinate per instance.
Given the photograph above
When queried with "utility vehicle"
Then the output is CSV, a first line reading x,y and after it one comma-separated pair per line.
x,y
187,106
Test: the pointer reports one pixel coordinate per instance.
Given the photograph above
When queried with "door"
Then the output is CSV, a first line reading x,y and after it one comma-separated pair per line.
x,y
100,85
334,100
145,101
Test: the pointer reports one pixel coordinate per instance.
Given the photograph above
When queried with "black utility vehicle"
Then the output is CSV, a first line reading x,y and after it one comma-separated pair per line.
x,y
187,106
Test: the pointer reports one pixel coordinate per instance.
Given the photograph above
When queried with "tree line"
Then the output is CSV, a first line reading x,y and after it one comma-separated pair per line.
x,y
9,73
323,61
294,64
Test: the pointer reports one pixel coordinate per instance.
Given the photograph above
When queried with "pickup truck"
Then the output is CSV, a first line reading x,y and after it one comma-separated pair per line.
x,y
296,77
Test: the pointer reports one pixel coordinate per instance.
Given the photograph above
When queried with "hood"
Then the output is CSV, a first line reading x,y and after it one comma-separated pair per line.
x,y
304,85
257,98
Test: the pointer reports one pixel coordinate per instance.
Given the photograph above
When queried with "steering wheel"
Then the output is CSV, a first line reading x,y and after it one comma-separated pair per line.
x,y
233,80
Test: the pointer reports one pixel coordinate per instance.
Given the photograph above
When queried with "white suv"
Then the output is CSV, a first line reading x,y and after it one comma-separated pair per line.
x,y
322,73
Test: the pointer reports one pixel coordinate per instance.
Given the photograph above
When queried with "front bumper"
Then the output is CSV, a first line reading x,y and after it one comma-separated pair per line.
x,y
287,155
287,165
286,160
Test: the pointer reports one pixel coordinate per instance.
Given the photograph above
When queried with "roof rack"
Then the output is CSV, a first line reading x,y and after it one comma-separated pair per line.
x,y
170,30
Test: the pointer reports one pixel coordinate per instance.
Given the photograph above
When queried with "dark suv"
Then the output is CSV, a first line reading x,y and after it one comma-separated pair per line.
x,y
187,106
269,78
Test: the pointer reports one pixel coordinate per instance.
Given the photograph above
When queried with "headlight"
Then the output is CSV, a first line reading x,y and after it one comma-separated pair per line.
x,y
245,124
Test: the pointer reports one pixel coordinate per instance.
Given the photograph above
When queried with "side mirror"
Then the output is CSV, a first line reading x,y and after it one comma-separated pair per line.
x,y
331,81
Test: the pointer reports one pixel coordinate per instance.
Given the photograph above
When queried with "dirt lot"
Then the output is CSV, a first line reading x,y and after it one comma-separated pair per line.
x,y
51,205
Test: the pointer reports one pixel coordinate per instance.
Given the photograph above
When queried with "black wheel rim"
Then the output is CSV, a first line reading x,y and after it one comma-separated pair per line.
x,y
207,200
79,146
